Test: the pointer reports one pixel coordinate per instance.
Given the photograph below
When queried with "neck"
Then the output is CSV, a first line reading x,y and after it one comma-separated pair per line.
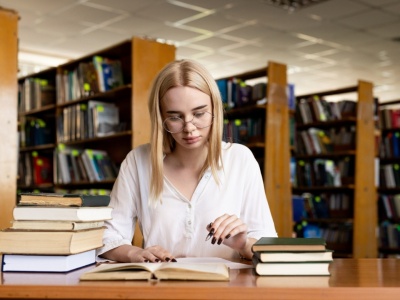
x,y
195,159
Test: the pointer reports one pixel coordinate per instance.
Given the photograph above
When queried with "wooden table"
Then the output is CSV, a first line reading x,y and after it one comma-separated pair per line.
x,y
359,279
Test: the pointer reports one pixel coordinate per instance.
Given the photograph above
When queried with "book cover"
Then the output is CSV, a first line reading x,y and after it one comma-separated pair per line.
x,y
47,213
289,244
161,271
47,263
315,268
54,199
50,242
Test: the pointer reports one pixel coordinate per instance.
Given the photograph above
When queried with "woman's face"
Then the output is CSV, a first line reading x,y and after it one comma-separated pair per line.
x,y
187,115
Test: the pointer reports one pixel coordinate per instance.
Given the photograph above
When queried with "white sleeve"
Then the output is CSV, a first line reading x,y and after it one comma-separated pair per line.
x,y
255,209
120,228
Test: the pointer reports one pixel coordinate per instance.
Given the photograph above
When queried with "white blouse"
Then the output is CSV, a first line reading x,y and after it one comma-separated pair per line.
x,y
179,224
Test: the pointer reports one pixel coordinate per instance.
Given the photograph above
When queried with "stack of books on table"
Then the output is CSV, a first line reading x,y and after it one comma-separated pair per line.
x,y
54,232
274,256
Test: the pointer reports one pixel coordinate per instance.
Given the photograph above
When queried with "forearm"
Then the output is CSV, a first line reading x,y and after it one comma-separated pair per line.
x,y
123,253
246,250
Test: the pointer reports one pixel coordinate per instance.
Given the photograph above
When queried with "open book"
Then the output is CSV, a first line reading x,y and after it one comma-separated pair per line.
x,y
160,271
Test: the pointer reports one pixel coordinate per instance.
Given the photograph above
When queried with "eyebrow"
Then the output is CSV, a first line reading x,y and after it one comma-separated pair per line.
x,y
194,109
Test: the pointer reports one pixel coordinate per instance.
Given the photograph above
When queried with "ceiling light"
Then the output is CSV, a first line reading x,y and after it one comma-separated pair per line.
x,y
292,5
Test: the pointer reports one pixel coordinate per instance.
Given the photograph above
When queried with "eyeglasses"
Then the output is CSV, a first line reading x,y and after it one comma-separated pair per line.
x,y
200,120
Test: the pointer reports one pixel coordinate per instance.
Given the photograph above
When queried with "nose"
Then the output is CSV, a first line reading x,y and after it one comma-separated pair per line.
x,y
188,126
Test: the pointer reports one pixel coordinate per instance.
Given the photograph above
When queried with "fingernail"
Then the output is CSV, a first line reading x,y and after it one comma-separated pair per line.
x,y
212,231
157,260
213,240
219,241
174,260
146,260
228,236
209,225
167,259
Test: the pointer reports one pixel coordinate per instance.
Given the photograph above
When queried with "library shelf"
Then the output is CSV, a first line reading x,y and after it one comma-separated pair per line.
x,y
357,189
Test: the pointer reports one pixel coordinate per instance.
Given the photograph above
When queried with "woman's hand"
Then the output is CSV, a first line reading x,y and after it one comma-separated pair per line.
x,y
151,254
232,232
129,253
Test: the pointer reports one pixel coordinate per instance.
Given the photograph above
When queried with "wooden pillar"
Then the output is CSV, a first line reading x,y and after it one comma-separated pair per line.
x,y
8,114
365,197
277,151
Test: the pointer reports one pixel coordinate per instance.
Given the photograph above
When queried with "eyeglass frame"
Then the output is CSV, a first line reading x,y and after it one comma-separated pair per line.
x,y
185,122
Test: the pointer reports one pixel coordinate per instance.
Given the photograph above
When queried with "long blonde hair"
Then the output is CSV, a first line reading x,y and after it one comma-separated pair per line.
x,y
191,74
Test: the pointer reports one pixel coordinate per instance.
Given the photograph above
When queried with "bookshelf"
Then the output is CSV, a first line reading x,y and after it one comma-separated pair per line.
x,y
65,112
389,184
8,122
351,227
274,137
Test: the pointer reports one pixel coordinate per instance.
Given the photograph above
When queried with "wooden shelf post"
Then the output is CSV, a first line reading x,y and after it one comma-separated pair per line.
x,y
277,153
8,113
365,194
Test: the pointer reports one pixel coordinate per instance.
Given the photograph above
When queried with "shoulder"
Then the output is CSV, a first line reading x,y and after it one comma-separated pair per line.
x,y
140,153
236,149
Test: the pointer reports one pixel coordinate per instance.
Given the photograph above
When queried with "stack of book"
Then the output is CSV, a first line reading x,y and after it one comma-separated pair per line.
x,y
274,256
54,232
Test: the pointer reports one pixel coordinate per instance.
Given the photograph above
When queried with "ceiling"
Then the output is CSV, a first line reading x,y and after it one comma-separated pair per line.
x,y
326,46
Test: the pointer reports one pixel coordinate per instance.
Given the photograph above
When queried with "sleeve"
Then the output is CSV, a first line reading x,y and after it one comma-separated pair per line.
x,y
120,229
255,209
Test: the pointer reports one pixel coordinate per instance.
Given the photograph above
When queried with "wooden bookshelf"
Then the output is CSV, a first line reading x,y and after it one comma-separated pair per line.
x,y
273,148
388,203
8,122
141,59
362,188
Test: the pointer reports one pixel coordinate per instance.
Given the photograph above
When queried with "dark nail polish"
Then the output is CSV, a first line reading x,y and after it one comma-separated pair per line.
x,y
174,260
146,260
212,231
213,240
167,259
209,225
157,260
219,241
228,236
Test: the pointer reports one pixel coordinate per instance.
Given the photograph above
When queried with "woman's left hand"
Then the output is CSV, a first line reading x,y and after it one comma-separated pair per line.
x,y
231,231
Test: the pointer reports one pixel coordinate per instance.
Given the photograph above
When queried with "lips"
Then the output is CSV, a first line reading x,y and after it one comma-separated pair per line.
x,y
192,140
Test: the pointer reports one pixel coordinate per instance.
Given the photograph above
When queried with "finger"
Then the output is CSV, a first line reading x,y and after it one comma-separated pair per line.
x,y
159,254
226,223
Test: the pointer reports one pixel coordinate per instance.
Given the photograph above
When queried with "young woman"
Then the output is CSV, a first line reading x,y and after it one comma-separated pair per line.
x,y
187,184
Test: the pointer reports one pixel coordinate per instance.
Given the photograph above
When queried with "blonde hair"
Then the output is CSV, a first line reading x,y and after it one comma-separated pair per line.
x,y
191,74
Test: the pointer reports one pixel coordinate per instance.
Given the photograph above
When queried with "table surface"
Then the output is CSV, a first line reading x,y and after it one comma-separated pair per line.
x,y
350,279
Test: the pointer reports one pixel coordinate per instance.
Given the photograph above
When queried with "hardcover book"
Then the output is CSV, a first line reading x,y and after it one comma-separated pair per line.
x,y
53,199
55,225
50,242
161,271
316,268
286,256
47,263
47,213
289,244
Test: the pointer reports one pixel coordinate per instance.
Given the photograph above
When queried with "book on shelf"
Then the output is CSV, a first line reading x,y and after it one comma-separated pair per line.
x,y
160,271
54,225
47,263
47,213
315,268
105,120
50,242
289,244
287,256
54,199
